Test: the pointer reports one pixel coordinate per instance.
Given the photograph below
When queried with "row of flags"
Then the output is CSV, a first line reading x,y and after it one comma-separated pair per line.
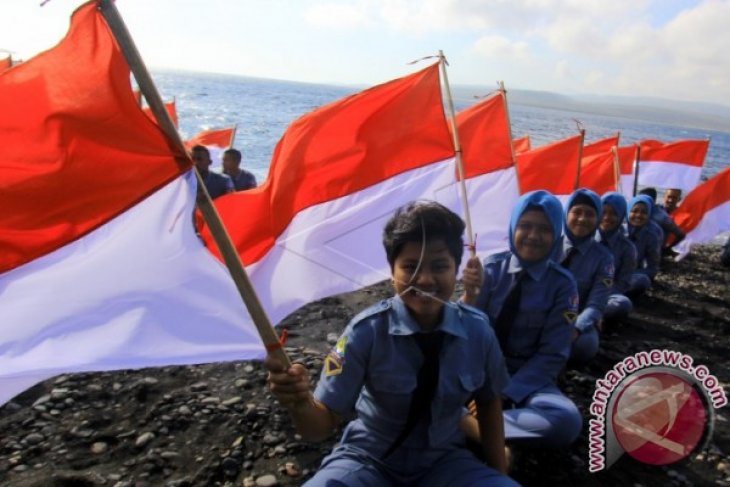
x,y
101,269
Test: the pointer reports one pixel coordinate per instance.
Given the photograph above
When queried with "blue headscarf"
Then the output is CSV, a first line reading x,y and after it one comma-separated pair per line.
x,y
538,200
618,203
642,198
595,202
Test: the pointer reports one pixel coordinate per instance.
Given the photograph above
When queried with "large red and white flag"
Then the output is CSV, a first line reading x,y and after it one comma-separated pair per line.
x,y
169,106
672,165
598,170
523,144
100,268
490,173
704,212
552,167
217,141
314,228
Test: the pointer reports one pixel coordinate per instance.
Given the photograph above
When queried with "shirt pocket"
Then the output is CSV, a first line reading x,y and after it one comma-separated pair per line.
x,y
391,393
457,391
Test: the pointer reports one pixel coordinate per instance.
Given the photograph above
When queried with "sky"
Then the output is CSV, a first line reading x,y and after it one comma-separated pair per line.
x,y
674,49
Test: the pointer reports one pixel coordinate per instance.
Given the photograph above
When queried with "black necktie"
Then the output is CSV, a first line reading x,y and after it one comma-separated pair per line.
x,y
426,385
569,257
510,308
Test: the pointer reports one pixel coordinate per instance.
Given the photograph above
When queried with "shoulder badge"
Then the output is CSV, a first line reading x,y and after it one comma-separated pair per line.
x,y
570,316
332,364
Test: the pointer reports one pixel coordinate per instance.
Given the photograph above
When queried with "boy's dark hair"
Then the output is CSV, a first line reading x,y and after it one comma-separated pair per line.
x,y
410,220
650,192
200,148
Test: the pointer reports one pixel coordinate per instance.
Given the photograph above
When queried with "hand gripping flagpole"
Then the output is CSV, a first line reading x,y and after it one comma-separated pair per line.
x,y
459,163
212,219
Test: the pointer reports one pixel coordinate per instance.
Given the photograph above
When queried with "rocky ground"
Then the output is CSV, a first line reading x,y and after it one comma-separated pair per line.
x,y
217,425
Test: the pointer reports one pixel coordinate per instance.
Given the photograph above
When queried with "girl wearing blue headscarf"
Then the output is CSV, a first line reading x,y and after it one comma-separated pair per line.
x,y
592,267
647,237
611,235
531,302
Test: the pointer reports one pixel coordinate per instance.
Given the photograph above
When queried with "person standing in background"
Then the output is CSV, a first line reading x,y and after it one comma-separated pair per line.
x,y
242,179
216,184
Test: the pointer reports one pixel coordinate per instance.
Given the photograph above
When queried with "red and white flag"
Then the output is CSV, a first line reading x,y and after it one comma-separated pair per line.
x,y
100,268
598,171
522,144
314,228
169,106
626,161
491,176
217,141
552,167
704,212
672,165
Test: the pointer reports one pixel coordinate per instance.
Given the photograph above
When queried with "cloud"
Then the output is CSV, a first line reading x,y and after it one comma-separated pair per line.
x,y
337,16
494,46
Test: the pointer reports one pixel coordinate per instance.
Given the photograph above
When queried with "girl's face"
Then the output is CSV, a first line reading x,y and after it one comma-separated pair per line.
x,y
639,215
533,236
425,280
610,220
582,220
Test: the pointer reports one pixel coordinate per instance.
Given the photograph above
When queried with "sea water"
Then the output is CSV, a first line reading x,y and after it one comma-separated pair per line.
x,y
262,109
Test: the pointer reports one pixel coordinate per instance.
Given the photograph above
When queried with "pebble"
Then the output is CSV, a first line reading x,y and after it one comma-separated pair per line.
x,y
292,470
267,480
144,438
270,439
721,467
199,386
99,447
332,338
249,482
34,438
232,401
42,400
230,467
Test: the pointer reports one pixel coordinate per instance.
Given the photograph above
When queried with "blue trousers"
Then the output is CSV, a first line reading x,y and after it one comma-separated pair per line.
x,y
585,347
351,467
547,418
618,307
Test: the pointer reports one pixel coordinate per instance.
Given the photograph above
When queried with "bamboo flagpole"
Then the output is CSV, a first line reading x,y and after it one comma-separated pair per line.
x,y
459,162
637,160
511,140
616,169
212,219
580,157
233,136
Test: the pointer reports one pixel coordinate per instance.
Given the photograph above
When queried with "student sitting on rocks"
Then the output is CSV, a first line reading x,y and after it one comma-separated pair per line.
x,y
592,267
646,237
611,235
532,303
405,368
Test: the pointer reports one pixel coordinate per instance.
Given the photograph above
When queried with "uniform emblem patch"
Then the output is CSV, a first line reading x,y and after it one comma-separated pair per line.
x,y
608,282
570,317
340,347
332,365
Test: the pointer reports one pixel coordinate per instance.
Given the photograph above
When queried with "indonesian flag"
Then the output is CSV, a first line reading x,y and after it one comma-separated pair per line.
x,y
491,177
626,160
672,165
5,63
704,212
522,144
599,169
171,110
100,268
217,141
314,228
552,167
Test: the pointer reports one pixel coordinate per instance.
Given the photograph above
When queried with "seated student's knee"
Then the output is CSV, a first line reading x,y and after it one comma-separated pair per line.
x,y
566,422
618,307
345,469
585,347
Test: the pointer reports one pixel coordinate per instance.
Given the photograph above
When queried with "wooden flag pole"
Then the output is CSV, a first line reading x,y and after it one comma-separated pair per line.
x,y
616,169
637,159
233,136
511,141
459,163
212,219
580,157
